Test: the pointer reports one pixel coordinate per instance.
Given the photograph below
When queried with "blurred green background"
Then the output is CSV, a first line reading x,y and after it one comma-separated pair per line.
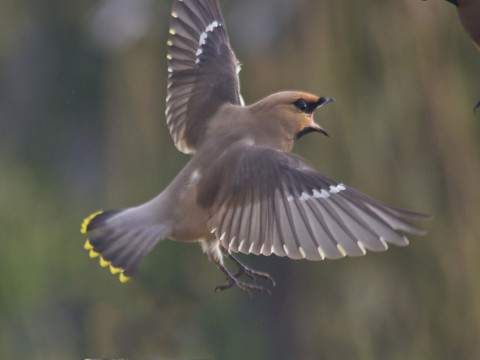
x,y
82,127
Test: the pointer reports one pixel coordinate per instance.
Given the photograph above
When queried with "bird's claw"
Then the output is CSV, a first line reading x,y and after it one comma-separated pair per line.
x,y
245,287
253,274
232,280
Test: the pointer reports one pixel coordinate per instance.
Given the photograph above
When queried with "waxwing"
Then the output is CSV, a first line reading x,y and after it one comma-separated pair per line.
x,y
242,191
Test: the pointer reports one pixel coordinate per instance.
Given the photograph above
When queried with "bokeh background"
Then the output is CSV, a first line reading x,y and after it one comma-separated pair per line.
x,y
82,127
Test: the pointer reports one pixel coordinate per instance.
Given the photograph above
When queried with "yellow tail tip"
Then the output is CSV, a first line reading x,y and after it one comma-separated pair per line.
x,y
123,278
87,245
103,262
86,221
114,270
93,254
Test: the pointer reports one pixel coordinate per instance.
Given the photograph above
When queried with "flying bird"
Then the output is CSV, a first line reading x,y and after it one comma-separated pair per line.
x,y
242,191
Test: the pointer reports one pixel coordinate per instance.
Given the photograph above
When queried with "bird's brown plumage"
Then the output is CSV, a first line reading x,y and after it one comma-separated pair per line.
x,y
243,191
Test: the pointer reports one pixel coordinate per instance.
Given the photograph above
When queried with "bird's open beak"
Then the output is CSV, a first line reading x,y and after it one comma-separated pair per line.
x,y
322,101
313,126
318,128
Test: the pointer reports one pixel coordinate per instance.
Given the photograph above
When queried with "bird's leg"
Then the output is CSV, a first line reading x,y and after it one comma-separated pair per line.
x,y
233,281
244,270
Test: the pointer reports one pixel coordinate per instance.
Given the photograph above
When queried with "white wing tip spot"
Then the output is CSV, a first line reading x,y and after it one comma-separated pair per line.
x,y
322,254
362,247
406,240
240,247
172,32
342,250
169,57
250,249
290,198
302,252
384,243
169,43
223,236
285,249
213,230
262,248
174,14
242,101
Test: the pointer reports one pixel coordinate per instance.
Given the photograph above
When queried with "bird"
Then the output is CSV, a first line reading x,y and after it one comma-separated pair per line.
x,y
242,191
469,14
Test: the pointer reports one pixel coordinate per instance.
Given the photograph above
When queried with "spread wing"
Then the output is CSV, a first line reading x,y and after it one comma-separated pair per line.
x,y
203,70
275,203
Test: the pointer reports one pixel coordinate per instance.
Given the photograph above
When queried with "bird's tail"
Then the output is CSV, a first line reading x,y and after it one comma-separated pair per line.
x,y
120,239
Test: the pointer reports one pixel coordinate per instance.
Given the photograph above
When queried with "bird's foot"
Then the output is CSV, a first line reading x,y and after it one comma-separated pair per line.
x,y
232,279
246,287
252,274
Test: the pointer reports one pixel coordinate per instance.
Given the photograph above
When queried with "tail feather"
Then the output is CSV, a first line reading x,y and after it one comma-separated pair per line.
x,y
120,240
97,220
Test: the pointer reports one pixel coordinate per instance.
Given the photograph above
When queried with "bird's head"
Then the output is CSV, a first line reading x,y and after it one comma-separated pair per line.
x,y
283,117
302,111
295,111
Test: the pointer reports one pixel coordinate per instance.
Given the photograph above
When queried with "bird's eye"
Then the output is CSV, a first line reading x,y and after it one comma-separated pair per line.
x,y
301,105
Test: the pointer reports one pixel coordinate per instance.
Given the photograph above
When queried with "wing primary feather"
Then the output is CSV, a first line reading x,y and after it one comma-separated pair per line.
x,y
290,221
338,219
240,201
253,217
304,217
368,207
277,202
384,230
198,21
340,202
270,218
209,13
221,229
186,27
404,214
323,224
231,234
178,39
